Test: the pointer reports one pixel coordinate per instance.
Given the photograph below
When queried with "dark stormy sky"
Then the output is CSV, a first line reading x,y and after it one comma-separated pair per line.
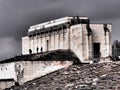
x,y
17,15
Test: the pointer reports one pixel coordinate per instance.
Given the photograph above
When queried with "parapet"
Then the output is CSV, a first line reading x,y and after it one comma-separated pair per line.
x,y
54,23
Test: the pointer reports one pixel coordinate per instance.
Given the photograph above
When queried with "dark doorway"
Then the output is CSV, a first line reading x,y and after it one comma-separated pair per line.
x,y
96,50
47,45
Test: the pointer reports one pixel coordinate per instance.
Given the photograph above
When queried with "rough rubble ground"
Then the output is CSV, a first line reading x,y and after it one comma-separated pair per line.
x,y
100,76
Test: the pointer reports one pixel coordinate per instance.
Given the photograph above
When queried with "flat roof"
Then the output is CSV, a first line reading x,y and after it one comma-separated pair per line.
x,y
53,23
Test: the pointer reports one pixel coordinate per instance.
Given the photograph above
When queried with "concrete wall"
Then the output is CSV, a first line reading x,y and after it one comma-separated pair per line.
x,y
76,40
57,40
7,75
34,69
24,71
109,26
6,84
7,71
85,48
99,36
26,44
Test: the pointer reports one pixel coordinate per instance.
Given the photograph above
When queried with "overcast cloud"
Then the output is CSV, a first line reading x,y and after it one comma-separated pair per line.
x,y
17,15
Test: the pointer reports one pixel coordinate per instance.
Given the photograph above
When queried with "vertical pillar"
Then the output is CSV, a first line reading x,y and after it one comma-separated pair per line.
x,y
37,48
33,43
107,40
59,38
105,45
41,41
63,36
69,36
29,42
90,46
54,38
49,35
110,43
89,33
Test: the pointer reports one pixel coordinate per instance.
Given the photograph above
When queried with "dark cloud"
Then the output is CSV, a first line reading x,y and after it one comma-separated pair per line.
x,y
9,47
17,15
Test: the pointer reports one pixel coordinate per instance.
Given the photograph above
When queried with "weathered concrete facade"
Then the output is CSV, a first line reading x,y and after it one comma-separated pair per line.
x,y
20,69
6,83
23,71
87,40
7,75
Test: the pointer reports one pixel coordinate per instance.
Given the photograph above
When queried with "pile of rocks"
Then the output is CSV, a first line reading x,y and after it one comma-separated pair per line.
x,y
100,76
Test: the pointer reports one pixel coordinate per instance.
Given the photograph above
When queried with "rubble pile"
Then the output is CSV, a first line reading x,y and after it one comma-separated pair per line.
x,y
100,76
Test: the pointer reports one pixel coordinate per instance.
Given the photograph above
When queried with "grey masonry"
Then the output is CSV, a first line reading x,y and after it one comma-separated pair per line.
x,y
76,33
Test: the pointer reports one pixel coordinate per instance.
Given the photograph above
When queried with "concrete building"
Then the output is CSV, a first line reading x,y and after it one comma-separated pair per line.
x,y
86,40
62,43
